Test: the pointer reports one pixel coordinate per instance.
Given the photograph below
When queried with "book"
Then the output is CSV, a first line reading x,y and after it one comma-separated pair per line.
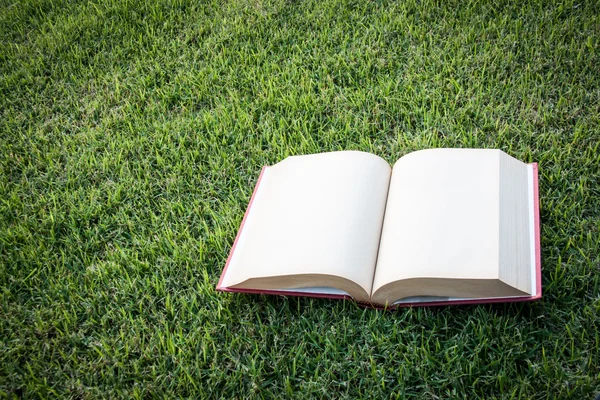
x,y
440,226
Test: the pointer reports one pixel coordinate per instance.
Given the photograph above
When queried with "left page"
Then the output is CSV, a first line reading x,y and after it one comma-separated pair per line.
x,y
315,221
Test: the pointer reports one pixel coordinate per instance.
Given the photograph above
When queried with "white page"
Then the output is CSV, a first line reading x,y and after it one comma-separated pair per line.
x,y
315,214
441,219
532,253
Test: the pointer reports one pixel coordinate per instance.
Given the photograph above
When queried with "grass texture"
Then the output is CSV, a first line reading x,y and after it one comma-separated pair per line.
x,y
131,136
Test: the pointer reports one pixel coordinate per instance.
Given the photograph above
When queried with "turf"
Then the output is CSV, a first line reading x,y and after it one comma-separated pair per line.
x,y
131,136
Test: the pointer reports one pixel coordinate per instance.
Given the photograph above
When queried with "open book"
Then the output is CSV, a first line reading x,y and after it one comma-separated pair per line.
x,y
441,226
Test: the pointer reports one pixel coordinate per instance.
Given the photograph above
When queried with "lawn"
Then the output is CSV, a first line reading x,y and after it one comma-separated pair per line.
x,y
132,134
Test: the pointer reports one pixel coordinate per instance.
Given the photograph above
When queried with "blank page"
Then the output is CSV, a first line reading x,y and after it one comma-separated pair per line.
x,y
315,214
441,219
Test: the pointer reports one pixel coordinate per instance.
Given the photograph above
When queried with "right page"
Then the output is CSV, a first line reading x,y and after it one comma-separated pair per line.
x,y
456,225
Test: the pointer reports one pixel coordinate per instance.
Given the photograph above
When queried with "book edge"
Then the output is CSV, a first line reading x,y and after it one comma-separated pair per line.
x,y
537,233
290,293
239,233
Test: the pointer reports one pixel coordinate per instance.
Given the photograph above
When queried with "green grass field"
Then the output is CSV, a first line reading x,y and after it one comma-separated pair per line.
x,y
131,136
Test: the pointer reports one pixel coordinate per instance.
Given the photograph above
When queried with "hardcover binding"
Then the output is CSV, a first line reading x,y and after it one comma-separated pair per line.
x,y
538,266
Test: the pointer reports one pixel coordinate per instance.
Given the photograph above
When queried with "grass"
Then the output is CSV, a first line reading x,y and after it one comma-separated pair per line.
x,y
131,136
